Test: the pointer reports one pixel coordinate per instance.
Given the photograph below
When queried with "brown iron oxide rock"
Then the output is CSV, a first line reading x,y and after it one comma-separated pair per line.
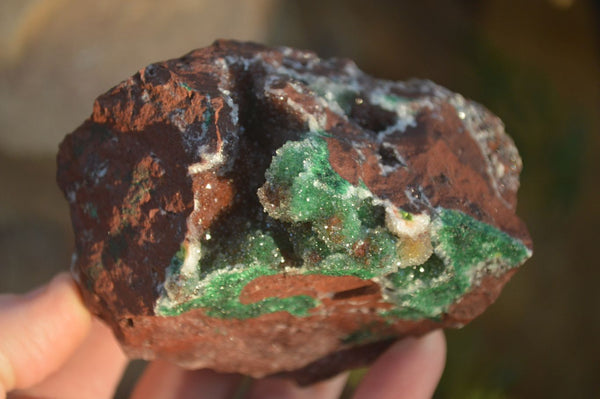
x,y
263,211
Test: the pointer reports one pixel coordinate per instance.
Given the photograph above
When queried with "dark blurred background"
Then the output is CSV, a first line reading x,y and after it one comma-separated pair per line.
x,y
534,63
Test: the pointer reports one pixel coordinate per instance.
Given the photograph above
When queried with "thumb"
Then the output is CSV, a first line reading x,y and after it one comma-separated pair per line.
x,y
39,331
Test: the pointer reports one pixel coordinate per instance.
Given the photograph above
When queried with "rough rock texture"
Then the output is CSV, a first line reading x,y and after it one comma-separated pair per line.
x,y
264,211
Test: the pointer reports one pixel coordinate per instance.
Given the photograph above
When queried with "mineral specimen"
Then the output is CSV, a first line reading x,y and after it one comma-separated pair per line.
x,y
264,211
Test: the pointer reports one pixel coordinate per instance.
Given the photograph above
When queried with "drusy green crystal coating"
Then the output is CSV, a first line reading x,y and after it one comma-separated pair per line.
x,y
251,256
338,229
328,217
463,248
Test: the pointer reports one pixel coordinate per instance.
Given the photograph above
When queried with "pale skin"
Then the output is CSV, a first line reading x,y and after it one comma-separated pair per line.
x,y
52,347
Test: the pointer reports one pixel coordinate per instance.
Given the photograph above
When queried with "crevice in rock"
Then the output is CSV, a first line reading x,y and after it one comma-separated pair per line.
x,y
262,130
356,292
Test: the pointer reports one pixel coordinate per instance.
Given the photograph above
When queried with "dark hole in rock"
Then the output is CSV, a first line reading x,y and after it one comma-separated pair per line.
x,y
441,179
476,210
156,74
360,291
390,156
371,117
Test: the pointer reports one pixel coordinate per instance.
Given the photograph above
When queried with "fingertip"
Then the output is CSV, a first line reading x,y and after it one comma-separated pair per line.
x,y
284,388
69,296
40,330
92,371
163,380
412,366
431,345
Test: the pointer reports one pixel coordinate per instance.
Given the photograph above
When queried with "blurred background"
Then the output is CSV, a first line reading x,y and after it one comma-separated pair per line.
x,y
534,63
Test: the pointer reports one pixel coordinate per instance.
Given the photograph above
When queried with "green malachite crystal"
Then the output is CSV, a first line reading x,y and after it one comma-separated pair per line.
x,y
251,256
326,219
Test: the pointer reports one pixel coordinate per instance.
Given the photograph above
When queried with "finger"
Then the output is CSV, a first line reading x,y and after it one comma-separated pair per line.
x,y
39,332
277,388
92,372
411,368
163,380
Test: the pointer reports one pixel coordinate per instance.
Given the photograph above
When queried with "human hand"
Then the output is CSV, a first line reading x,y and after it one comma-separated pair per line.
x,y
51,347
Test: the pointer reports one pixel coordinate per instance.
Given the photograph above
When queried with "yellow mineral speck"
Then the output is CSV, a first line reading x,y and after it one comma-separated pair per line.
x,y
414,251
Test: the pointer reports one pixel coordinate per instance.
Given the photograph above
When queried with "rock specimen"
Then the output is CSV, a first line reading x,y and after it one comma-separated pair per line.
x,y
264,211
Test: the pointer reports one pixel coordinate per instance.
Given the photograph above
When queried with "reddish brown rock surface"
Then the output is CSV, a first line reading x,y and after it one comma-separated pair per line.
x,y
264,211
